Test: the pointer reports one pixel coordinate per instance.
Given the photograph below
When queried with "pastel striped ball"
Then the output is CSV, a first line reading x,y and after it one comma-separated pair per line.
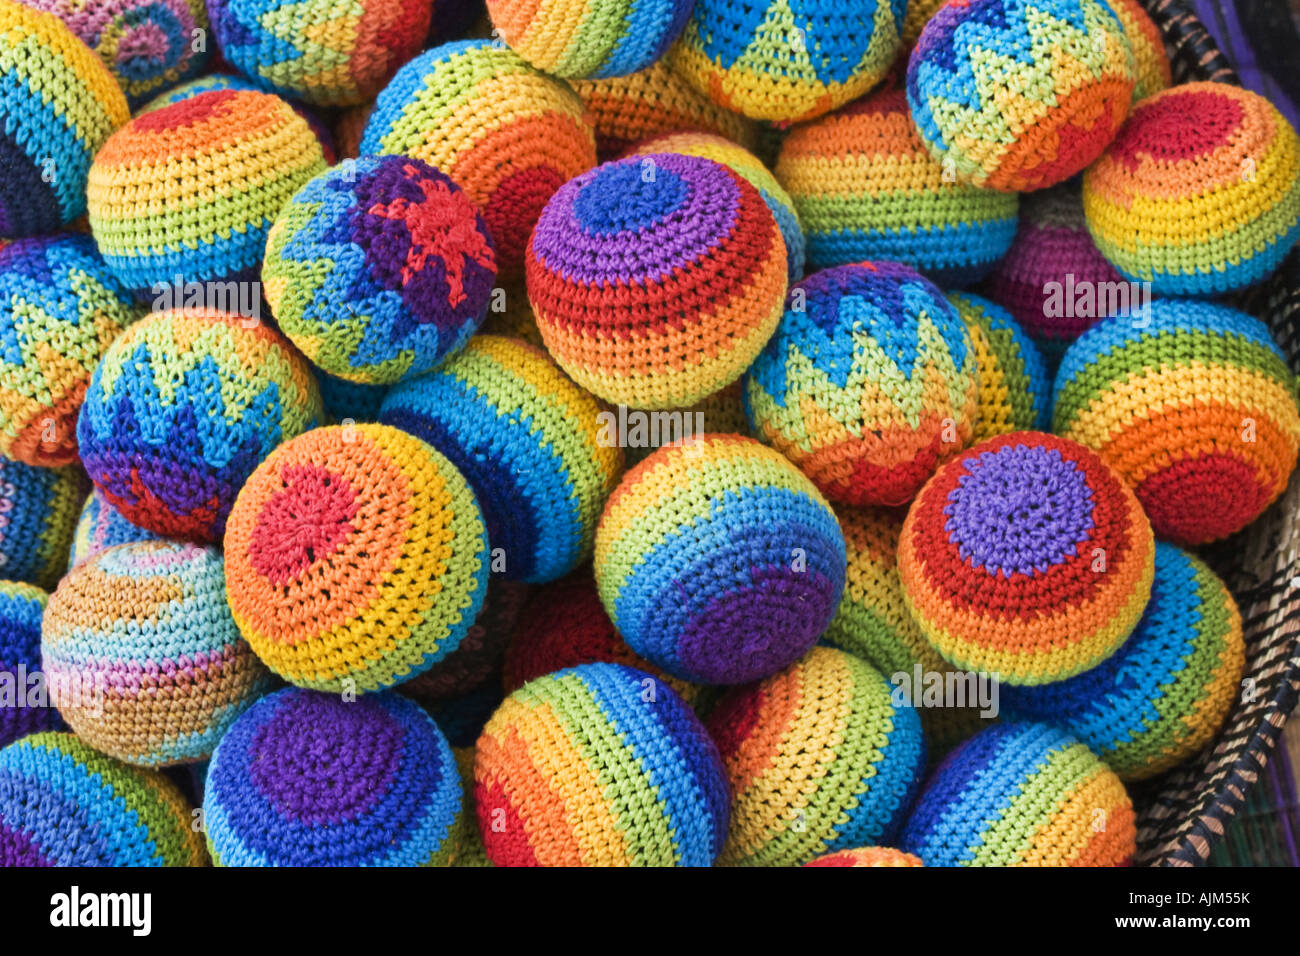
x,y
100,526
23,710
867,856
38,517
598,765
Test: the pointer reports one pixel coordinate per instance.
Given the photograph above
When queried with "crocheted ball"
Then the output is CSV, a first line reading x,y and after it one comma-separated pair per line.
x,y
1020,94
868,384
1022,794
1199,194
472,853
718,561
1194,405
599,765
100,526
191,190
1163,695
356,558
347,403
534,447
60,307
181,410
38,515
1026,557
820,759
58,103
656,279
507,133
867,855
1014,391
1153,70
23,710
379,268
307,779
64,804
787,60
320,51
866,188
143,658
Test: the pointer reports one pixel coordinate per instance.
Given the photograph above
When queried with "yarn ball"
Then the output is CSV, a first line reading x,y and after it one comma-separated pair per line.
x,y
1199,194
866,188
64,804
1022,794
1163,695
143,658
347,403
307,779
1149,56
656,279
58,104
60,308
598,765
535,448
787,59
38,516
1020,94
868,384
867,856
181,410
356,558
589,38
1015,393
100,526
24,709
718,561
203,84
508,134
379,269
1026,558
820,759
320,51
189,192
1194,405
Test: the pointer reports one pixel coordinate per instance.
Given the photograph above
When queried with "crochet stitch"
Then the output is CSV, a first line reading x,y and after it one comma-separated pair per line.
x,y
349,402
101,526
1014,391
867,855
22,712
38,514
1149,57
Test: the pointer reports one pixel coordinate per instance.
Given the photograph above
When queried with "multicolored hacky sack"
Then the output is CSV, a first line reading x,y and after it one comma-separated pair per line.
x,y
1014,390
38,516
100,526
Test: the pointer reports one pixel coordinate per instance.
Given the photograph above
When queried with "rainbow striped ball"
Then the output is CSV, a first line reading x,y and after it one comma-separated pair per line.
x,y
307,779
58,104
1152,62
868,384
718,561
1163,695
143,658
507,133
1026,558
598,765
64,804
820,759
656,279
22,710
1022,794
38,516
1199,194
189,192
181,410
867,856
101,526
866,188
1060,89
356,558
1195,407
1014,391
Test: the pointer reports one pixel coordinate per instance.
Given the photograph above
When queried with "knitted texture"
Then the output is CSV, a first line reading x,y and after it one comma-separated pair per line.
x,y
1022,794
1014,391
329,52
919,13
1199,194
1020,94
379,268
598,765
867,855
507,133
181,410
63,804
1194,405
203,84
718,561
191,190
143,659
58,103
60,307
1163,695
101,526
38,515
530,444
868,384
356,558
347,403
819,758
1026,558
307,779
866,188
22,711
656,279
1149,57
787,59
472,852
